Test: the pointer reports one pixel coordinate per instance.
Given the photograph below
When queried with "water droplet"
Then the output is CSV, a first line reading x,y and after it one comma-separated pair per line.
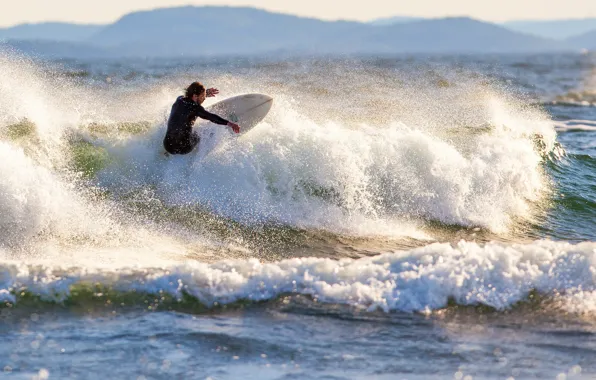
x,y
575,370
43,374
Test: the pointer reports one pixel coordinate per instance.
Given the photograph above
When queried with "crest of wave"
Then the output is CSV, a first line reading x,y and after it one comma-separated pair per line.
x,y
364,179
35,202
424,279
46,211
58,105
48,218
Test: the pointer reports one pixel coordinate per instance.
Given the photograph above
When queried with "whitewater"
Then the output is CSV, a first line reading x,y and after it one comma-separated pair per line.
x,y
417,200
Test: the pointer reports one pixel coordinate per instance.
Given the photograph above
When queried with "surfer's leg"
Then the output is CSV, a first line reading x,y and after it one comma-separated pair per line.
x,y
182,147
188,145
193,141
194,138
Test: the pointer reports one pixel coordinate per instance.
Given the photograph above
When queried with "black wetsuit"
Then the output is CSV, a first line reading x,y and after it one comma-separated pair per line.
x,y
180,138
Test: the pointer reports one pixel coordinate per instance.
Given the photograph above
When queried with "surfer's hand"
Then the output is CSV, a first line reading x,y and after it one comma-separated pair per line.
x,y
235,127
211,92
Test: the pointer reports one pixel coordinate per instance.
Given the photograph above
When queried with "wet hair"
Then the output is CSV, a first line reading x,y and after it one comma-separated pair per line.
x,y
195,88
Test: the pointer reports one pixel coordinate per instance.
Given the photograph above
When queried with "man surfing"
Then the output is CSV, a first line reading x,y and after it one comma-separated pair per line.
x,y
180,137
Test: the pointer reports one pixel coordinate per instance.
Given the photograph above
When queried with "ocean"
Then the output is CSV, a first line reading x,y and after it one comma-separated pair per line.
x,y
393,217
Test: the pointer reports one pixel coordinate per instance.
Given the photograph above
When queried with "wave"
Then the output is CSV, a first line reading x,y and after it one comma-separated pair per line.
x,y
426,279
294,171
576,99
585,93
575,126
465,154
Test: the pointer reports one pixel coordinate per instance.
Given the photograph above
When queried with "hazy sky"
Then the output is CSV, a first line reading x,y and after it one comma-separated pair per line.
x,y
105,11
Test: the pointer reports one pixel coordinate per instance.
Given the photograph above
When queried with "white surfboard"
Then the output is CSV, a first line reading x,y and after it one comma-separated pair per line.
x,y
245,110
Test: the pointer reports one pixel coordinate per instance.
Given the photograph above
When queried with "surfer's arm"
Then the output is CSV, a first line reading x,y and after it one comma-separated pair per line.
x,y
203,114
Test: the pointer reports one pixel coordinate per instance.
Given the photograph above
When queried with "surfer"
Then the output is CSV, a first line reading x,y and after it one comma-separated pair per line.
x,y
180,137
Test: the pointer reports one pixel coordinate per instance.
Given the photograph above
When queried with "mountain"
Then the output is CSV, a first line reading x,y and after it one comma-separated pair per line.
x,y
211,30
556,29
53,31
584,41
394,20
221,30
226,30
459,35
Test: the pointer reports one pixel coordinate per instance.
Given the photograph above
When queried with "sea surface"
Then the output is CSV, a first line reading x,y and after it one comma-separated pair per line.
x,y
394,217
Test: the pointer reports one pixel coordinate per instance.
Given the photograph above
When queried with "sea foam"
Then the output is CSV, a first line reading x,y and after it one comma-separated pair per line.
x,y
418,280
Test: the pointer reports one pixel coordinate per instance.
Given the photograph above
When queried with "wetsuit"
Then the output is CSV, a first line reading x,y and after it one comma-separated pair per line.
x,y
180,138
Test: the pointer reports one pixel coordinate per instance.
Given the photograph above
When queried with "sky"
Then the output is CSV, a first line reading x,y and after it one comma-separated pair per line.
x,y
107,11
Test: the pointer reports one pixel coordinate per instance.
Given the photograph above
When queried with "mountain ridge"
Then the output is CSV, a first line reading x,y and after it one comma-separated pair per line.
x,y
558,29
216,30
51,31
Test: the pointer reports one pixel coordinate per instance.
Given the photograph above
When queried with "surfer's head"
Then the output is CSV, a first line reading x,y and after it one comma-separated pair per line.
x,y
196,92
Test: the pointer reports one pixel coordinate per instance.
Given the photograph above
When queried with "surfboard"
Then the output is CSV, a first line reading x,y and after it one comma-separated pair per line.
x,y
245,110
